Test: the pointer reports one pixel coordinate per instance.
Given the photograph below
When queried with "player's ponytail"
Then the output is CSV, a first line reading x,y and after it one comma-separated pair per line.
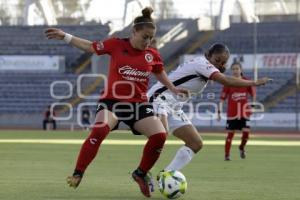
x,y
144,20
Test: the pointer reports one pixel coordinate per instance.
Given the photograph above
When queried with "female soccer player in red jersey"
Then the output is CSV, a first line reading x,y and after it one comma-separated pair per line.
x,y
237,111
124,98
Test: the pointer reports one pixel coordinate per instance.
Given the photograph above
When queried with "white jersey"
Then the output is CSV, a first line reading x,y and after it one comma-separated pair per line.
x,y
192,75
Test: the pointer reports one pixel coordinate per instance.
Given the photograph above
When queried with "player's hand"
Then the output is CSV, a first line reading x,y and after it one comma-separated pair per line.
x,y
74,181
181,91
54,33
262,81
182,94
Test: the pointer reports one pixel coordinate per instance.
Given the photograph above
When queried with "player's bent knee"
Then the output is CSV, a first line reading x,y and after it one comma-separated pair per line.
x,y
162,136
158,141
199,146
196,146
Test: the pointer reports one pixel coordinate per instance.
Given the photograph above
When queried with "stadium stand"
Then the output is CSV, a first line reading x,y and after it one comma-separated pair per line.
x,y
33,41
239,37
18,95
288,105
163,27
30,92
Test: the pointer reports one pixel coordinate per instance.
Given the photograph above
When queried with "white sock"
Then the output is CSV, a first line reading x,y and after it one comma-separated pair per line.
x,y
183,156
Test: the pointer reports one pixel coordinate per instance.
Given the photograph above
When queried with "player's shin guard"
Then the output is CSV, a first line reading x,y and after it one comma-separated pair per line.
x,y
183,156
228,142
90,147
244,140
152,151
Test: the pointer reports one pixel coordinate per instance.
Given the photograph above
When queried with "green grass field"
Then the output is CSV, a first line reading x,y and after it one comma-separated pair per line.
x,y
35,171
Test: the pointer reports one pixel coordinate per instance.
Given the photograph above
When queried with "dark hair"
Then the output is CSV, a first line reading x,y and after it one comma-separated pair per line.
x,y
240,66
216,48
144,20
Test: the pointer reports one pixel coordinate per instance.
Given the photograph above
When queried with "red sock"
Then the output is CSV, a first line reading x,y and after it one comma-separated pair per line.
x,y
244,139
228,143
91,145
152,151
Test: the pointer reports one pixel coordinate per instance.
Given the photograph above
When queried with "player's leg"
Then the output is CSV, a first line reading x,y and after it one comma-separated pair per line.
x,y
54,124
193,144
104,122
230,127
88,124
152,128
160,110
164,121
85,123
45,124
244,139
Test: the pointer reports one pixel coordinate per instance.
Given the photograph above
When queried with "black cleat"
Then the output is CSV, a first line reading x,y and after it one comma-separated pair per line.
x,y
242,154
227,158
74,181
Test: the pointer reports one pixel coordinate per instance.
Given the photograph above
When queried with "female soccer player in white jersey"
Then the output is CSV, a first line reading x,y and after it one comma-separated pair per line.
x,y
192,75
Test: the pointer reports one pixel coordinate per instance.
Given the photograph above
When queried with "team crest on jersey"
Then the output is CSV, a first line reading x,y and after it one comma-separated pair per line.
x,y
237,96
148,57
99,46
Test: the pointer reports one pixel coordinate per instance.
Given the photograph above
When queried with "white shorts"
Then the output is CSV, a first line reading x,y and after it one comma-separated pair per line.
x,y
172,109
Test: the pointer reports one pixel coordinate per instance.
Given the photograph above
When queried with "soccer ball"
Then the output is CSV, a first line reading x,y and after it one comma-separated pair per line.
x,y
172,184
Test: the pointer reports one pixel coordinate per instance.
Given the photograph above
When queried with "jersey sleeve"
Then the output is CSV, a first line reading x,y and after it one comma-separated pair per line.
x,y
224,93
105,47
206,69
252,91
157,66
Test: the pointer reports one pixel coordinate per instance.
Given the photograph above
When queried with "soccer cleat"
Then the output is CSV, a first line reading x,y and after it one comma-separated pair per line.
x,y
142,181
242,154
74,181
227,158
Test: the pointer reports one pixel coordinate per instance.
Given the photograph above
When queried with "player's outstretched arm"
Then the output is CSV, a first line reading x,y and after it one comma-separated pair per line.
x,y
163,78
220,108
58,34
236,82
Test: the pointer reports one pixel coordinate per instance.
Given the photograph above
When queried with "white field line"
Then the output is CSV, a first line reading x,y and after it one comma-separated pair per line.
x,y
142,142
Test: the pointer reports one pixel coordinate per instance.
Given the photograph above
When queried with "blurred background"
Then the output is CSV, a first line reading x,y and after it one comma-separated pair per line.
x,y
264,35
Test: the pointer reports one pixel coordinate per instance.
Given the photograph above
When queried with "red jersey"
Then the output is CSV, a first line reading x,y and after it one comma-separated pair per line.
x,y
237,101
129,69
